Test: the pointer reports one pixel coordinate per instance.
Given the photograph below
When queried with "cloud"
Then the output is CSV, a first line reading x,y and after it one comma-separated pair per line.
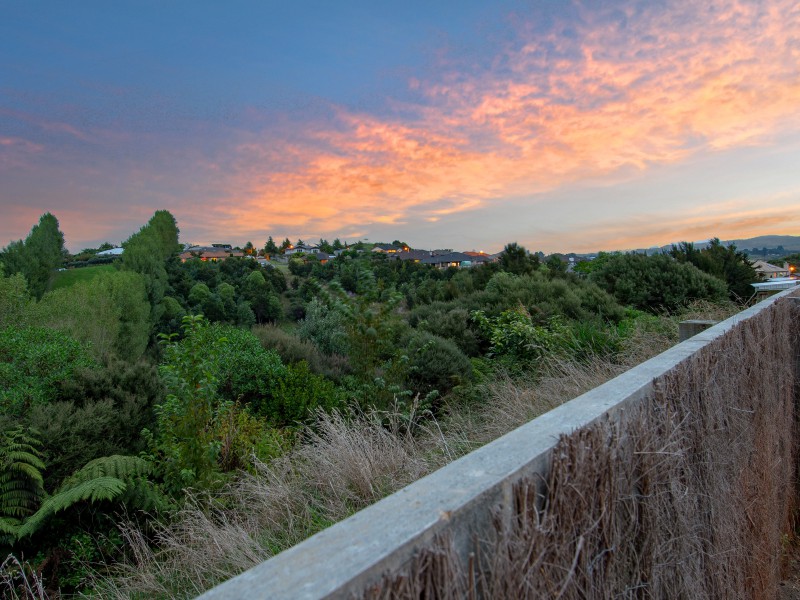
x,y
641,85
727,219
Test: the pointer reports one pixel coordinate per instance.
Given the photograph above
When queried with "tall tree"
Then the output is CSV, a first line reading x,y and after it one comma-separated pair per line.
x,y
37,257
723,262
515,259
270,247
147,251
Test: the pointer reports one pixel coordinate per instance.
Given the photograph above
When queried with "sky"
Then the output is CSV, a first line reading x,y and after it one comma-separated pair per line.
x,y
563,126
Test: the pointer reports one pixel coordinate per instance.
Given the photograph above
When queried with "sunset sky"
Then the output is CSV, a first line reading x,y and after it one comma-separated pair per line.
x,y
564,126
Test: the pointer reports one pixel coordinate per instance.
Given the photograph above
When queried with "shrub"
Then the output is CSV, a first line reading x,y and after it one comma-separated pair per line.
x,y
292,350
656,283
33,361
435,363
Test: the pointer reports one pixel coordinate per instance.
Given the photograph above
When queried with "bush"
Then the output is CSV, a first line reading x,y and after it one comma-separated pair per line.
x,y
293,350
656,283
326,327
33,362
435,363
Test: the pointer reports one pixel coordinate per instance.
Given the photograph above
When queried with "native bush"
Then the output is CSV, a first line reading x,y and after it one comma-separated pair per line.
x,y
450,323
655,283
325,326
33,361
435,363
292,350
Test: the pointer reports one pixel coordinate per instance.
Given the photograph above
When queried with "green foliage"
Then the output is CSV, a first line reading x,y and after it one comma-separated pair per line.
x,y
184,444
94,490
512,335
295,394
655,283
100,412
38,256
14,300
33,361
450,323
724,262
147,252
110,313
326,326
214,375
435,363
515,259
21,483
293,350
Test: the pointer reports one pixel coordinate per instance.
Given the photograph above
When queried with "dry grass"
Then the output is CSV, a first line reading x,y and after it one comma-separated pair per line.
x,y
341,466
18,582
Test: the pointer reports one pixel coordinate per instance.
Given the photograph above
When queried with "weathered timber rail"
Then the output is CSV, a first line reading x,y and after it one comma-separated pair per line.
x,y
675,479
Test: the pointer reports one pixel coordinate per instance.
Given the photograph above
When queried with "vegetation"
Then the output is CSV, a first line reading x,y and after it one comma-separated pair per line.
x,y
160,389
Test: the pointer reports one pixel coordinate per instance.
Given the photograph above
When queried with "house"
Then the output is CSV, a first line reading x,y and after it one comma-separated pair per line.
x,y
453,259
386,248
322,257
213,253
412,255
770,271
305,249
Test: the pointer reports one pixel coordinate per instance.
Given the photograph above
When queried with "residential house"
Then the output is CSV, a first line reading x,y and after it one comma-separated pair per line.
x,y
386,249
213,253
304,248
453,259
412,255
769,271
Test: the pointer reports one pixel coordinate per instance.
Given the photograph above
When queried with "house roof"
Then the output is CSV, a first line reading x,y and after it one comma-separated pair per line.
x,y
765,267
452,257
385,247
412,255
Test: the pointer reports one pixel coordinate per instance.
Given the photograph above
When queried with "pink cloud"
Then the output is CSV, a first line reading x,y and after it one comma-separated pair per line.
x,y
671,82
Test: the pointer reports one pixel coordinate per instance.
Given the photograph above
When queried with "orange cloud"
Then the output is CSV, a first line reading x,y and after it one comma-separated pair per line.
x,y
654,85
726,220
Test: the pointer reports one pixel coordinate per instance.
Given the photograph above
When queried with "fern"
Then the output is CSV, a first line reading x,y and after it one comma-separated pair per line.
x,y
93,490
21,466
109,478
117,466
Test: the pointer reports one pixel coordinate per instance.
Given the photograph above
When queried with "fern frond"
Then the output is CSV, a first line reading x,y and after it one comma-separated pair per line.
x,y
94,490
21,483
118,466
17,456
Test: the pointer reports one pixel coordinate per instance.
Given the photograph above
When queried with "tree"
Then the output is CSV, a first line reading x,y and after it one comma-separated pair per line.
x,y
515,259
724,262
111,312
147,251
655,283
14,300
248,248
285,244
270,248
33,362
38,256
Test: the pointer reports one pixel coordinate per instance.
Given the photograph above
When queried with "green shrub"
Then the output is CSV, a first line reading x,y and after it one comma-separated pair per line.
x,y
435,363
33,362
656,283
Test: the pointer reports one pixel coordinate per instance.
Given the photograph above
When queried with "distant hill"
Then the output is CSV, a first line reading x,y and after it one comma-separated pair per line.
x,y
790,243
